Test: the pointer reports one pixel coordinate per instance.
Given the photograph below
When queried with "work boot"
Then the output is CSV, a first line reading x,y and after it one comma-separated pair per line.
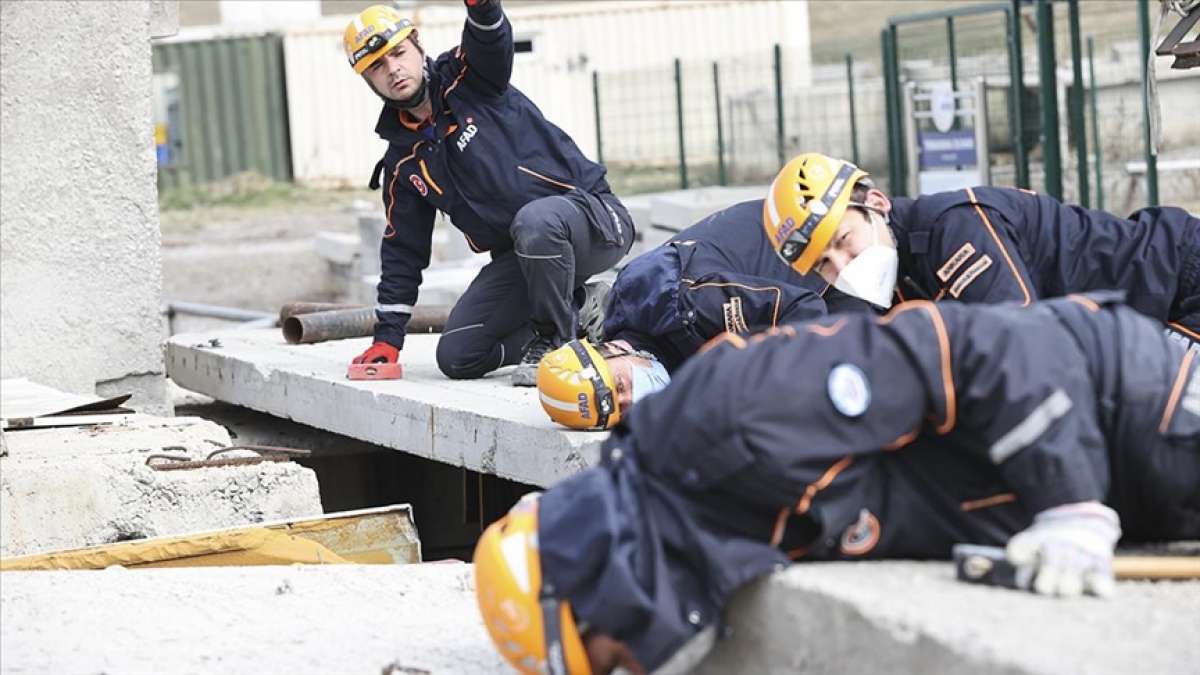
x,y
591,311
525,374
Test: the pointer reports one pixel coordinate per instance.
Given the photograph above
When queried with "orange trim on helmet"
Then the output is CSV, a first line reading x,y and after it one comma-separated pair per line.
x,y
1176,391
1003,250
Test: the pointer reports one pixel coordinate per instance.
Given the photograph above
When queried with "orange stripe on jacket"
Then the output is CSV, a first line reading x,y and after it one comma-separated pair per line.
x,y
1179,328
1176,391
1008,258
943,336
822,483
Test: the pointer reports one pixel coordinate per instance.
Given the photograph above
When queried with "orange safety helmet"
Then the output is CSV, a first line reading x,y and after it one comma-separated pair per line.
x,y
372,34
534,631
576,387
805,206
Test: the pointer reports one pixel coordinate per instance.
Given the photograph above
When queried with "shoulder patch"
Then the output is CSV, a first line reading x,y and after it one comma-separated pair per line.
x,y
848,389
971,274
862,535
954,262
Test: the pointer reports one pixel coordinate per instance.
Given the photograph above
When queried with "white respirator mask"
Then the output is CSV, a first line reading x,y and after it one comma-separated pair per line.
x,y
871,275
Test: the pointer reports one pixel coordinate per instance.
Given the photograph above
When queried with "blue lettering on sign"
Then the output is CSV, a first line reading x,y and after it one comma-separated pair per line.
x,y
948,149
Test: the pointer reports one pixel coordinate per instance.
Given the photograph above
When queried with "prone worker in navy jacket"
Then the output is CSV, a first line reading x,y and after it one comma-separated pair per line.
x,y
464,141
980,244
1049,429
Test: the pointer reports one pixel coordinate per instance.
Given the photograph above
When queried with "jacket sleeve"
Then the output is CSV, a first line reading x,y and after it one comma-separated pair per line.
x,y
1028,410
485,54
973,257
744,304
404,253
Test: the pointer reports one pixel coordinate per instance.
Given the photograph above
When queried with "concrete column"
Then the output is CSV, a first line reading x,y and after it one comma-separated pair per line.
x,y
80,258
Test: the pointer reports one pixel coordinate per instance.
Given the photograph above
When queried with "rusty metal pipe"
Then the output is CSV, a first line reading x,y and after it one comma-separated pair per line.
x,y
296,308
351,323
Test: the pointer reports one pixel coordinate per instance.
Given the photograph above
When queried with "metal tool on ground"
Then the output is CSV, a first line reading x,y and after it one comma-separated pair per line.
x,y
989,566
263,453
350,323
291,309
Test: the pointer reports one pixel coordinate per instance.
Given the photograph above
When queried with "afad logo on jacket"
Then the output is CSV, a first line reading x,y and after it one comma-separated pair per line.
x,y
468,133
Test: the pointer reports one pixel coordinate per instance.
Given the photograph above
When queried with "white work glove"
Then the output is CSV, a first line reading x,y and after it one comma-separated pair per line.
x,y
1068,550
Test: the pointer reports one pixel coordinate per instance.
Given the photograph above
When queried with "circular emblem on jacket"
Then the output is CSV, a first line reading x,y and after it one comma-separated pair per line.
x,y
418,183
848,389
862,535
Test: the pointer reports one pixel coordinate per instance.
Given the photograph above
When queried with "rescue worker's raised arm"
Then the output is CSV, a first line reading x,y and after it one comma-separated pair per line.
x,y
486,53
404,254
974,258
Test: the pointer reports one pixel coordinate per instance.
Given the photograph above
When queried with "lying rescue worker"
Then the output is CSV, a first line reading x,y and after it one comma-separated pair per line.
x,y
464,141
719,275
980,244
1049,429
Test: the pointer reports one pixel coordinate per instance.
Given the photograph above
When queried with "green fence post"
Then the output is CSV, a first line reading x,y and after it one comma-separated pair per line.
x,y
1147,64
953,57
1048,85
1016,67
1076,101
596,110
853,117
722,178
779,151
683,176
1096,129
890,101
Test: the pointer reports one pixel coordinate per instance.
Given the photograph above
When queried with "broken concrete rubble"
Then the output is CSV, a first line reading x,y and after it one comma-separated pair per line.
x,y
79,486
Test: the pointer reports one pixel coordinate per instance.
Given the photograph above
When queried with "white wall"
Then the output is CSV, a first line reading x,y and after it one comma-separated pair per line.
x,y
80,277
332,113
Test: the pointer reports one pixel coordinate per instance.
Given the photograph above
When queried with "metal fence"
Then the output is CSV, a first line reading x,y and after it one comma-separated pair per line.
x,y
755,113
226,109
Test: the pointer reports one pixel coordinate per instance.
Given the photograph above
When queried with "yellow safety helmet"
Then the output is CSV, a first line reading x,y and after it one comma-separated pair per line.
x,y
534,631
576,387
372,34
805,206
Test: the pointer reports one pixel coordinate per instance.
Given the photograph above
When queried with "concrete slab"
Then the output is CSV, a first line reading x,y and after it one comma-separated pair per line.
x,y
485,425
75,487
915,618
811,618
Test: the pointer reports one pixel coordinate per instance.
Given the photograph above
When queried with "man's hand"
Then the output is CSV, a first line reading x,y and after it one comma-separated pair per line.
x,y
380,352
1069,549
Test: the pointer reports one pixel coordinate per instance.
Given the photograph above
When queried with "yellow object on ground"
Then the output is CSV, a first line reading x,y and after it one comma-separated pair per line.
x,y
383,535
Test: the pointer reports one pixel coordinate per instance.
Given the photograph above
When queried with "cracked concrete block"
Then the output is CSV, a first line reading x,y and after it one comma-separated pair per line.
x,y
81,486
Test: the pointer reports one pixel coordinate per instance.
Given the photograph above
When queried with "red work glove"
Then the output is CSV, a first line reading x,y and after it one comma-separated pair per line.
x,y
380,352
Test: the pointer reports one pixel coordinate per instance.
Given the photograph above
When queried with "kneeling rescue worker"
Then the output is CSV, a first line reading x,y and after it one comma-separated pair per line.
x,y
464,141
983,244
853,437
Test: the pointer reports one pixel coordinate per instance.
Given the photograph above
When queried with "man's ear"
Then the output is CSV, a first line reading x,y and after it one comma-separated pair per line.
x,y
876,199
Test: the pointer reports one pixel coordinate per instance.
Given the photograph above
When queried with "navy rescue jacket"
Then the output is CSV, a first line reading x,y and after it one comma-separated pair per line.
x,y
989,244
858,437
721,274
487,152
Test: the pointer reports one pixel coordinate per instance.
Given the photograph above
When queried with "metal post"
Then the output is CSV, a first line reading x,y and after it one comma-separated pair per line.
x,y
779,150
722,178
596,106
1096,128
683,176
1048,84
1016,67
853,118
1078,125
889,100
899,179
953,56
1147,64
